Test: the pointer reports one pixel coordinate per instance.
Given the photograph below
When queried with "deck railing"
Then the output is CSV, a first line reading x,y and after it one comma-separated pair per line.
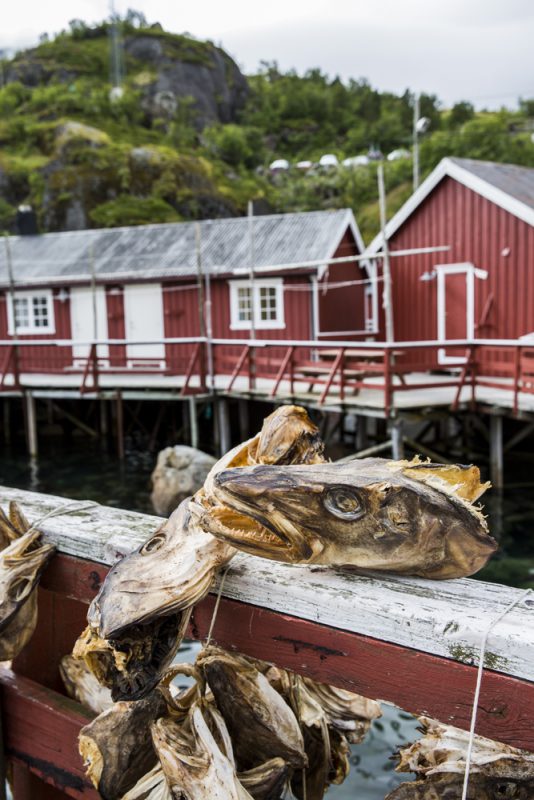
x,y
408,641
275,368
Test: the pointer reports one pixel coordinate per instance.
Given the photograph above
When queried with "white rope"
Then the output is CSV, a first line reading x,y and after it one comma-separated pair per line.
x,y
216,607
68,508
476,698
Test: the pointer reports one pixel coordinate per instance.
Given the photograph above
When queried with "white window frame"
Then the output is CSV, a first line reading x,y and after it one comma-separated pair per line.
x,y
31,328
245,325
471,272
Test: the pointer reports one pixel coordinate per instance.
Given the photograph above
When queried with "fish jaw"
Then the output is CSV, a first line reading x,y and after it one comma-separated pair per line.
x,y
21,566
362,514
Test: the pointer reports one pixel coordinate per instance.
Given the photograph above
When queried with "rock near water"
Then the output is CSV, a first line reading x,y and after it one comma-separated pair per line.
x,y
180,471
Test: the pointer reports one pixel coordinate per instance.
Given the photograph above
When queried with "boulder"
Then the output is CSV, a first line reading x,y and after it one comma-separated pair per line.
x,y
180,471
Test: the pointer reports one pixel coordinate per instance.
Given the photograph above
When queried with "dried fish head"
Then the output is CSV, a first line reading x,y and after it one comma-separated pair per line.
x,y
21,565
439,759
266,781
288,436
261,723
193,763
369,513
116,747
131,665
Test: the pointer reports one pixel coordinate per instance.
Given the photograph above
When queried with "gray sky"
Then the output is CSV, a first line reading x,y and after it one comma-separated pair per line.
x,y
479,50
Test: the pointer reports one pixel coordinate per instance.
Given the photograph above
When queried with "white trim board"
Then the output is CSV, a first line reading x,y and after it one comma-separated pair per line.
x,y
447,167
444,618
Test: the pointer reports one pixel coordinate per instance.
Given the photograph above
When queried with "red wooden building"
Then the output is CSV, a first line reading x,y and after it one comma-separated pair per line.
x,y
483,285
141,283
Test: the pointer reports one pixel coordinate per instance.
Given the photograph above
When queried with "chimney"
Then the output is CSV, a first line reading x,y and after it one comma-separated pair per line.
x,y
26,221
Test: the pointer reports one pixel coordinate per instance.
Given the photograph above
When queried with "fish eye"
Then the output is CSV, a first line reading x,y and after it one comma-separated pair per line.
x,y
343,503
153,544
18,590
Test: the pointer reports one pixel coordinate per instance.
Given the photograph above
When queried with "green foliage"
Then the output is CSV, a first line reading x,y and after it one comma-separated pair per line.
x,y
7,215
237,145
128,210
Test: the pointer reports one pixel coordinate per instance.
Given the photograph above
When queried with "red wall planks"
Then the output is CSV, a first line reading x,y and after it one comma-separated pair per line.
x,y
343,308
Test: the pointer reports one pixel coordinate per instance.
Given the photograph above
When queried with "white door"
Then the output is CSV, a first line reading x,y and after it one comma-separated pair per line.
x,y
143,321
82,324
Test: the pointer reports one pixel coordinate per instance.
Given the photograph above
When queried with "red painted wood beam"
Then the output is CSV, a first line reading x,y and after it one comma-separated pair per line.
x,y
41,734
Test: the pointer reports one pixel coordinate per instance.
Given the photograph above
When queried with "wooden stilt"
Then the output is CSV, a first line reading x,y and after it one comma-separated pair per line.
x,y
244,419
223,422
120,426
362,438
6,409
496,452
193,422
31,424
397,439
103,417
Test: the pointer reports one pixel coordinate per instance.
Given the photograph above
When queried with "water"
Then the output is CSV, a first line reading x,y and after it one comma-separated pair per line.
x,y
81,469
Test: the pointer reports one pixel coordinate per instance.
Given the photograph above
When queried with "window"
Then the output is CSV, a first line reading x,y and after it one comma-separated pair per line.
x,y
31,312
267,304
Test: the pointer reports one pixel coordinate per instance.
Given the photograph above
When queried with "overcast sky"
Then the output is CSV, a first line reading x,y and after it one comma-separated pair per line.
x,y
478,50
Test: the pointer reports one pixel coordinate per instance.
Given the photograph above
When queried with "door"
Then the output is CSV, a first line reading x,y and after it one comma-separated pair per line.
x,y
455,308
83,308
143,321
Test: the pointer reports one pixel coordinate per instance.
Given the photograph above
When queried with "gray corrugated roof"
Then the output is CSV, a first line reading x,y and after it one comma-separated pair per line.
x,y
515,181
169,250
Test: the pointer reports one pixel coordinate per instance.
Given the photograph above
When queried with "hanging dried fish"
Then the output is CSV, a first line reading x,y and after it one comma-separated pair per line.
x,y
152,786
260,722
139,617
406,518
266,781
83,686
116,747
192,760
21,563
439,759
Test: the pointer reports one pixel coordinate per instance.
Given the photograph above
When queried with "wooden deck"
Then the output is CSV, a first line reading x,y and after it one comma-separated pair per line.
x,y
408,641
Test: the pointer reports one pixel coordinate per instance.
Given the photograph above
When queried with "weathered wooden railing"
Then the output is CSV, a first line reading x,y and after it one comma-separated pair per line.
x,y
287,368
408,641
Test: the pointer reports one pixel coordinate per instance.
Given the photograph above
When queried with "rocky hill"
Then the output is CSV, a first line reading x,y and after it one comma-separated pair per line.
x,y
189,136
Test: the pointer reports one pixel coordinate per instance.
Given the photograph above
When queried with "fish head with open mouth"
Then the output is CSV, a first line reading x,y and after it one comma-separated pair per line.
x,y
371,513
21,565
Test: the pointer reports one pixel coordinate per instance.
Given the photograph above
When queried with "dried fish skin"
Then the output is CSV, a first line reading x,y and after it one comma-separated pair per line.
x,y
82,685
288,436
12,525
266,781
17,633
349,713
192,762
169,573
365,513
132,664
439,759
116,747
261,724
152,786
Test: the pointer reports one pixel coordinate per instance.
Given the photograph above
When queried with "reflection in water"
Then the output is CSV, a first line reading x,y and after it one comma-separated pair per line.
x,y
82,469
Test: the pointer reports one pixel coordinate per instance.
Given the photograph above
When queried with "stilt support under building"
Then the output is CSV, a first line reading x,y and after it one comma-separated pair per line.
x,y
120,426
223,424
496,452
397,440
193,421
31,424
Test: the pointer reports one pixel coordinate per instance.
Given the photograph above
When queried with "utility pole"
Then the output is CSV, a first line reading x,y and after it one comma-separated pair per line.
x,y
116,55
386,295
416,116
252,258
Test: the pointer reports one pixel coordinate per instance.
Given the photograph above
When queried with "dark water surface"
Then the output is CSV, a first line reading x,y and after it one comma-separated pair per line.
x,y
82,469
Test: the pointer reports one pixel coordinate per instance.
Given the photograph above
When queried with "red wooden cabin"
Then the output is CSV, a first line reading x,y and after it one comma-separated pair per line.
x,y
142,283
483,286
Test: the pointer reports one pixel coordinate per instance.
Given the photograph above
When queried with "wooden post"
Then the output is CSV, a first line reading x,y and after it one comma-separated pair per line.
x,y
193,422
31,424
496,452
362,439
7,419
397,439
223,423
103,417
244,419
120,426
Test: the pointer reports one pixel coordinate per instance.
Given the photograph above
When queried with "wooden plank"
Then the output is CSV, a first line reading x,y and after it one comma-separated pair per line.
x,y
415,681
444,618
41,733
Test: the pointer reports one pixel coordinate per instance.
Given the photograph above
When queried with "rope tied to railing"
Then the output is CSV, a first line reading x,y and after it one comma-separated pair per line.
x,y
68,508
476,698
